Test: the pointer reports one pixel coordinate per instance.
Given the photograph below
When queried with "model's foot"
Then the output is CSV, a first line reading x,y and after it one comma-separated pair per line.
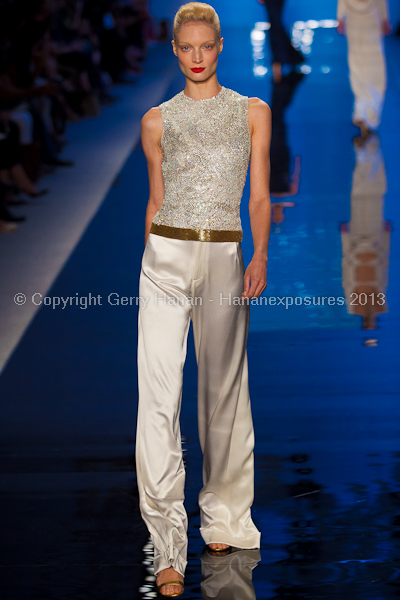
x,y
364,129
218,549
169,589
218,546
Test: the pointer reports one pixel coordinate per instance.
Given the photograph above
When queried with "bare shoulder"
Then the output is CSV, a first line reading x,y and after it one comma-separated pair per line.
x,y
151,120
259,113
258,104
151,125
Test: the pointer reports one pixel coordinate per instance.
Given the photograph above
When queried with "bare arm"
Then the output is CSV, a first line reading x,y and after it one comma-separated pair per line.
x,y
384,16
255,279
151,131
341,16
383,10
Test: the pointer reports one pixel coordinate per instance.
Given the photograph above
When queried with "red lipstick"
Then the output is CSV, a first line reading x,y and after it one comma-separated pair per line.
x,y
197,69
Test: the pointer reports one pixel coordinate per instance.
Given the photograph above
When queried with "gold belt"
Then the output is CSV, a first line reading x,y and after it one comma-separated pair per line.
x,y
201,235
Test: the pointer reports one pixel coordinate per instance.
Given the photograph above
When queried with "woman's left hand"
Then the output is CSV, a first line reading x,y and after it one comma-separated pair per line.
x,y
255,278
386,28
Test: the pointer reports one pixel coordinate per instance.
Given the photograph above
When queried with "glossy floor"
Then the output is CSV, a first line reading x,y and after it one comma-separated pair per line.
x,y
324,390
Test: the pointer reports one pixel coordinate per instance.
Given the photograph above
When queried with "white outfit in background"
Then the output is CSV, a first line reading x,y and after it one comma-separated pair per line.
x,y
363,22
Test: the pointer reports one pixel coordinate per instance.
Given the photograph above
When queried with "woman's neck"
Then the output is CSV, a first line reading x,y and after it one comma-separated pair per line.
x,y
202,90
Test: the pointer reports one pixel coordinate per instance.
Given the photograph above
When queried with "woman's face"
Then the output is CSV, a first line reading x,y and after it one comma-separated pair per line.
x,y
197,47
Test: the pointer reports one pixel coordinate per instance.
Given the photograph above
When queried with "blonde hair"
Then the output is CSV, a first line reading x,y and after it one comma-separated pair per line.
x,y
196,11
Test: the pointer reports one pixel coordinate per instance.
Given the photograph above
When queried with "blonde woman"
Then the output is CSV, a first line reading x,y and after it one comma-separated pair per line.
x,y
198,145
364,22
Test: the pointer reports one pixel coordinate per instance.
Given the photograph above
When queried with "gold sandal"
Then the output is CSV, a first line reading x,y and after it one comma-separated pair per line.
x,y
227,549
177,582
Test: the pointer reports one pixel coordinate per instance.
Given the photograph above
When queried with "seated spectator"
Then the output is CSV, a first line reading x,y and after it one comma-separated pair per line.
x,y
19,88
58,61
12,172
125,35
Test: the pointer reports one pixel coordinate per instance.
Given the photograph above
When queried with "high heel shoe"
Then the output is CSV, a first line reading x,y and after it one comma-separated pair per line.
x,y
7,226
218,551
176,582
7,217
17,190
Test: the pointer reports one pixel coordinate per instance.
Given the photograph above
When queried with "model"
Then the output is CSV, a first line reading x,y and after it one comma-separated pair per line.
x,y
283,52
198,145
364,22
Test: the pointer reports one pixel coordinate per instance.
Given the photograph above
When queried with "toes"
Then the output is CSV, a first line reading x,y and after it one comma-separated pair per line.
x,y
167,590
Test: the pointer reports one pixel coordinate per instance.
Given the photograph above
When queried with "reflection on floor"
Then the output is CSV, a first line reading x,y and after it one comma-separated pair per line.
x,y
366,239
324,380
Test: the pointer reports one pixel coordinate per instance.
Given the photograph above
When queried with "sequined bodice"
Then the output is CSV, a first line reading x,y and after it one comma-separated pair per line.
x,y
206,148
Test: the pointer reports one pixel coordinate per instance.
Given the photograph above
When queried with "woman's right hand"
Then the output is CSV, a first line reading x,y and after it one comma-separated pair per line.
x,y
386,27
341,28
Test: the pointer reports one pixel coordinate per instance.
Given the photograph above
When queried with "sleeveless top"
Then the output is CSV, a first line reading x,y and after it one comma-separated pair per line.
x,y
206,148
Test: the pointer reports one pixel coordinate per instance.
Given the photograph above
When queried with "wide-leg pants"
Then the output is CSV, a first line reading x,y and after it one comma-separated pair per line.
x,y
183,280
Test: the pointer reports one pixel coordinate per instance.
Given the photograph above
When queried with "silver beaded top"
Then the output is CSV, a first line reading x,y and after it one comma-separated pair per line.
x,y
206,148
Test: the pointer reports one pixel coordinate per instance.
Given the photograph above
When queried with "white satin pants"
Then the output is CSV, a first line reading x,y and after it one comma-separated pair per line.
x,y
183,280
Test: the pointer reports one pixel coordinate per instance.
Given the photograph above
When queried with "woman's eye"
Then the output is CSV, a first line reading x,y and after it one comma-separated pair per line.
x,y
187,47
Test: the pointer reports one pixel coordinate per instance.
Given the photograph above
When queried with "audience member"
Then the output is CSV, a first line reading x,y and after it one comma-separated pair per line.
x,y
58,62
